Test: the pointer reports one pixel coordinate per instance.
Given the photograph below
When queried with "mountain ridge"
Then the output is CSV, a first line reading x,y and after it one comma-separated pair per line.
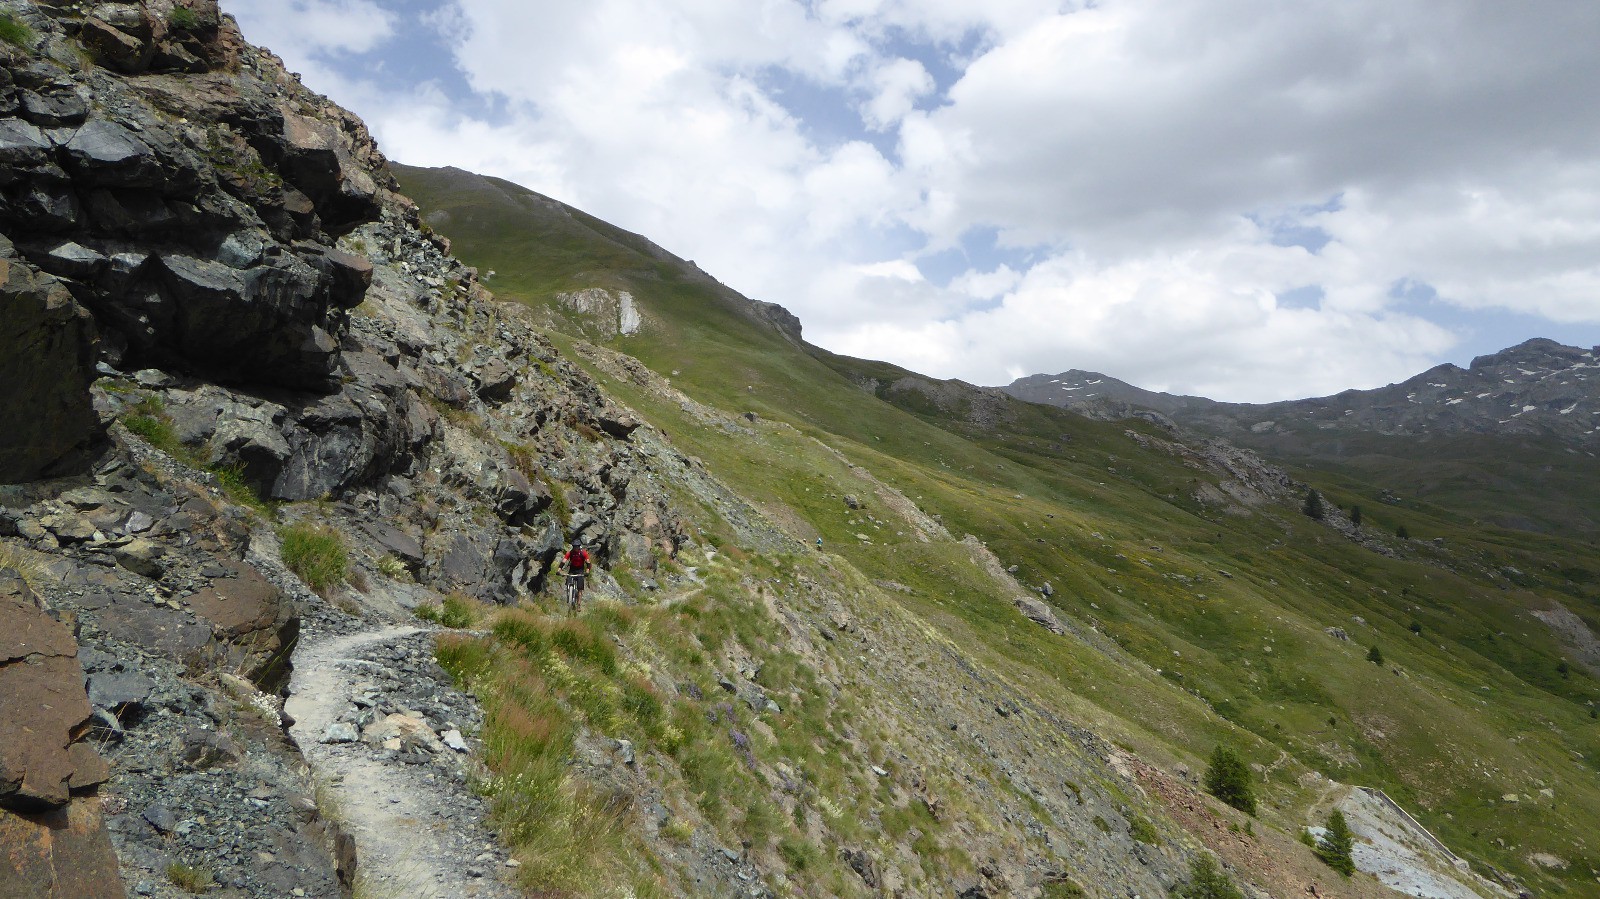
x,y
1477,390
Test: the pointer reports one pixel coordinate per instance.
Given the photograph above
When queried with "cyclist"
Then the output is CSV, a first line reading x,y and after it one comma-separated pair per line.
x,y
577,566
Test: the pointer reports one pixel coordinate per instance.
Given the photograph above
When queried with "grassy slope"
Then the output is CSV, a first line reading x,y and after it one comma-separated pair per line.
x,y
1478,710
1553,484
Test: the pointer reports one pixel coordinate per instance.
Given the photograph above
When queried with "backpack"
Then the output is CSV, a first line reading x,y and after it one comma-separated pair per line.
x,y
577,561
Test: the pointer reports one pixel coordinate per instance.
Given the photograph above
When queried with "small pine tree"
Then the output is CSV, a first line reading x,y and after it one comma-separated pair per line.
x,y
1416,628
1375,655
1313,507
1206,881
1563,669
1336,845
1228,779
1355,515
1402,533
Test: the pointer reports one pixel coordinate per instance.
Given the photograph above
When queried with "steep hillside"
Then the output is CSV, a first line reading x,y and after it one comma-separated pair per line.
x,y
277,594
1196,603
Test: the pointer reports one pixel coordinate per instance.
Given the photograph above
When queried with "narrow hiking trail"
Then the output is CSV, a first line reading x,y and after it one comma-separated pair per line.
x,y
418,827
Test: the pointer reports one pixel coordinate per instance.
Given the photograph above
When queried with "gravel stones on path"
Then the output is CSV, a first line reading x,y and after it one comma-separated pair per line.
x,y
400,789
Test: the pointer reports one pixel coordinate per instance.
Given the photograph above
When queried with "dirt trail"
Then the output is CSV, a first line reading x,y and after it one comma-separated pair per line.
x,y
407,844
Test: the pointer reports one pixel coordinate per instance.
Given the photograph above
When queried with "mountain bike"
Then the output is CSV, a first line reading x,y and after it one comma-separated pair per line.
x,y
574,592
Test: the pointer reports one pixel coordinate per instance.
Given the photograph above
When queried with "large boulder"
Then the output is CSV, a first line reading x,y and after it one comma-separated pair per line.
x,y
44,712
480,563
273,323
318,161
46,354
64,853
250,619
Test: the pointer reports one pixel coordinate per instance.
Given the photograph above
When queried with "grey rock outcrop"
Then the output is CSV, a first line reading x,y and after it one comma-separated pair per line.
x,y
46,354
192,212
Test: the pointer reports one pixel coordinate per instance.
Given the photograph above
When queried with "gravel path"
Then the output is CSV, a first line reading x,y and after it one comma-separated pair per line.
x,y
418,832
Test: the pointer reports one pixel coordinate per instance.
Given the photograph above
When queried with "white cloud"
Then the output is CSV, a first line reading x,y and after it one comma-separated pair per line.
x,y
1132,146
983,285
894,89
1203,322
300,28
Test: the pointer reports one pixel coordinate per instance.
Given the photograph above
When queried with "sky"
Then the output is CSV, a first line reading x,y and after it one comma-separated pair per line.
x,y
1249,200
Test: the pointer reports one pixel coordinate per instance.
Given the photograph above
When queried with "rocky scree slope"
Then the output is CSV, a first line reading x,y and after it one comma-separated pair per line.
x,y
171,202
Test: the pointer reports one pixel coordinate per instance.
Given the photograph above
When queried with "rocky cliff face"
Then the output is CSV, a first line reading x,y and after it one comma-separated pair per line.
x,y
183,189
209,283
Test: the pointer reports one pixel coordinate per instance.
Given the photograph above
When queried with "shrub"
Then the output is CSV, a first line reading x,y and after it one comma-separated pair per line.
x,y
1062,887
1228,779
1355,515
148,419
234,485
1206,881
316,554
1335,846
1416,627
183,18
1142,830
1402,533
455,612
1375,655
190,880
14,32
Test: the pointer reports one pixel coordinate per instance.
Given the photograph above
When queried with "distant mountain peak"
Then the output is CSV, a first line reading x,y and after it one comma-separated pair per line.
x,y
1538,387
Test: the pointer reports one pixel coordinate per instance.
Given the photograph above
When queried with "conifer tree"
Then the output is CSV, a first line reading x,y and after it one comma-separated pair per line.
x,y
1313,507
1375,655
1228,779
1336,845
1355,515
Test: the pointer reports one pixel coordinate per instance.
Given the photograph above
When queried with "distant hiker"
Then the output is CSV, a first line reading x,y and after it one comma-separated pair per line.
x,y
819,544
576,561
